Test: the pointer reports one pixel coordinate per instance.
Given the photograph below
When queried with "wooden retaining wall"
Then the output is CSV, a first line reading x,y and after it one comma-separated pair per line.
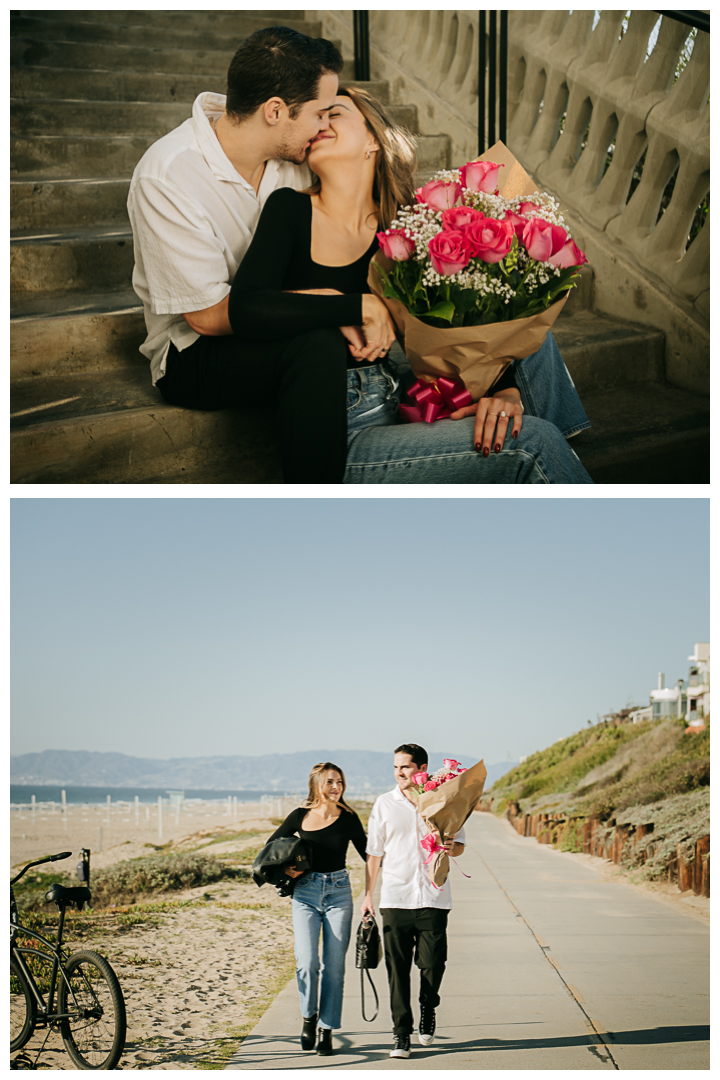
x,y
592,838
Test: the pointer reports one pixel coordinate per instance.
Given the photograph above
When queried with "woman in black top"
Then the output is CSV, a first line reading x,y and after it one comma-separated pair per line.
x,y
306,272
322,900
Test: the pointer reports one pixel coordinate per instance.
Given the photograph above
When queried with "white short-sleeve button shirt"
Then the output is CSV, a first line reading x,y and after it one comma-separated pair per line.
x,y
193,217
395,830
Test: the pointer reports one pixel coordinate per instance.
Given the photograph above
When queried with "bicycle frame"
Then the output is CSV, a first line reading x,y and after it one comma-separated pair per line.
x,y
45,1014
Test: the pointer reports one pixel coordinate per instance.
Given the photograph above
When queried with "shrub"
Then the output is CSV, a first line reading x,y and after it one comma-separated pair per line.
x,y
152,874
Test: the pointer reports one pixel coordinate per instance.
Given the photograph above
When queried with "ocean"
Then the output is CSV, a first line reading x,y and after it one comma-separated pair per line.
x,y
22,794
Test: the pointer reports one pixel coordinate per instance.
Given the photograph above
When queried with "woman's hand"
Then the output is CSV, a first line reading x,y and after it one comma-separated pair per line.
x,y
356,340
292,872
492,416
378,327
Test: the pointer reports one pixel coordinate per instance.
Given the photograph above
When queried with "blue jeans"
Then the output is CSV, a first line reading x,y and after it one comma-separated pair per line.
x,y
383,450
322,901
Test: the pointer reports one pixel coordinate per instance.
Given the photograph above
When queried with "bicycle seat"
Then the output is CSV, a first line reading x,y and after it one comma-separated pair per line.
x,y
62,894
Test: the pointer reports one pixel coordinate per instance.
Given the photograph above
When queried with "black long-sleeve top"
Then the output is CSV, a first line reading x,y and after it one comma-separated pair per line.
x,y
279,259
329,845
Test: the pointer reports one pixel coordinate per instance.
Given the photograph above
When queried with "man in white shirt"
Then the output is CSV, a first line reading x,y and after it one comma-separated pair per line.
x,y
414,911
194,204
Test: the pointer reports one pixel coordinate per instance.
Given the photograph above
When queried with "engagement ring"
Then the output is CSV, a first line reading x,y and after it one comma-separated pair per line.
x,y
503,414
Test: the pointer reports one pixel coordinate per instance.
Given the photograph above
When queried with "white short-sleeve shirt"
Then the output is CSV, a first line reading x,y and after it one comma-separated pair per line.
x,y
193,217
395,830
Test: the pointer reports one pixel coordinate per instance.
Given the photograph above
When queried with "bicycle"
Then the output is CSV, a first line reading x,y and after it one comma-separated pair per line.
x,y
90,1013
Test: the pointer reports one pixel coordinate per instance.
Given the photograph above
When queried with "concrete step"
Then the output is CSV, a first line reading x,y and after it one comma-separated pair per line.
x,y
129,118
35,158
220,21
114,428
168,34
189,61
100,258
67,204
83,85
56,157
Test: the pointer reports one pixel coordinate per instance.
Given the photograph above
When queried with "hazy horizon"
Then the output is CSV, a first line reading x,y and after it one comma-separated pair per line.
x,y
193,627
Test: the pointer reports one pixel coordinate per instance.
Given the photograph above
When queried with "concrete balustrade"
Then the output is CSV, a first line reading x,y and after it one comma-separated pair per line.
x,y
579,93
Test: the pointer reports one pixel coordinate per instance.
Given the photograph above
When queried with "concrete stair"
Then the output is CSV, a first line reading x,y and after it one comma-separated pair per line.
x,y
90,92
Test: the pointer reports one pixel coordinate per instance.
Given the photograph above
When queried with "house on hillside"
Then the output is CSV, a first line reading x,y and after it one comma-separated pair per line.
x,y
690,703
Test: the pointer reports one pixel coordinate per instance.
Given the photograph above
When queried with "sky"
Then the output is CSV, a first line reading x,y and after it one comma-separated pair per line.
x,y
486,627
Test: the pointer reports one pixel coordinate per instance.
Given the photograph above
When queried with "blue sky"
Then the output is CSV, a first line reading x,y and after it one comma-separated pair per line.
x,y
484,627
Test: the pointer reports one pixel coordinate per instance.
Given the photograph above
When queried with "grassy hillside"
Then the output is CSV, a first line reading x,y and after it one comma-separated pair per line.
x,y
632,774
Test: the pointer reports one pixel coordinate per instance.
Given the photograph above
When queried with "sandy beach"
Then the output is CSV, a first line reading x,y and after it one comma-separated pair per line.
x,y
195,976
198,968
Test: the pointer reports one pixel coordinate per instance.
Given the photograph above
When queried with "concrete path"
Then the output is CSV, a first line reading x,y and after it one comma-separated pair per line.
x,y
550,968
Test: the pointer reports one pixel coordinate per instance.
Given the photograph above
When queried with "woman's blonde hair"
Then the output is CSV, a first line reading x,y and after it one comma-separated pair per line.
x,y
395,161
315,781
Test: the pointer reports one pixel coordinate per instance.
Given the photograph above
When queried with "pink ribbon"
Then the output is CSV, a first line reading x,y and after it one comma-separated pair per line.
x,y
434,400
431,845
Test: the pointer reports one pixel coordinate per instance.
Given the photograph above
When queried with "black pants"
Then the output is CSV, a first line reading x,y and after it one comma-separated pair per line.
x,y
418,932
306,377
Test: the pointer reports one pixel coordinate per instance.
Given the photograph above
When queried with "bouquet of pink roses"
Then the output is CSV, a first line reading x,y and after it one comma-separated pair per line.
x,y
445,801
475,273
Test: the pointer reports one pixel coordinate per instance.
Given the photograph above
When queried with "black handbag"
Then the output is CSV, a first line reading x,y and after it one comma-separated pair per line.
x,y
270,863
368,954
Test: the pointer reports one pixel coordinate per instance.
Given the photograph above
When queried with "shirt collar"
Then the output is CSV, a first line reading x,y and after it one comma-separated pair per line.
x,y
206,108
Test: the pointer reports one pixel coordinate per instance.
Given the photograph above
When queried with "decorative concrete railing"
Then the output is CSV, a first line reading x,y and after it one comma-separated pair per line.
x,y
597,116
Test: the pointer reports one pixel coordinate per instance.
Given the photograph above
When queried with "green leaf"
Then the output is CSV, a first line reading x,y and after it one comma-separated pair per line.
x,y
443,310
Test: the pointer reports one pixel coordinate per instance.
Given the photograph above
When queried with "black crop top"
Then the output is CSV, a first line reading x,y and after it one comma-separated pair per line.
x,y
329,845
279,259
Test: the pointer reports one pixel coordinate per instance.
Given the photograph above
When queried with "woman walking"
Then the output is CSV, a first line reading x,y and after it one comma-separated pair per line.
x,y
322,900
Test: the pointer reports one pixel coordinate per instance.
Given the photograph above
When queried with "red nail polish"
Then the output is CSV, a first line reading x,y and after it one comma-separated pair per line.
x,y
497,447
478,447
515,434
486,451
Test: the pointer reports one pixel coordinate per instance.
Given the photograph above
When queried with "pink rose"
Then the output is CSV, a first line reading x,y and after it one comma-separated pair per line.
x,y
450,763
439,195
568,255
542,239
480,176
461,770
529,208
420,778
396,245
431,785
459,217
518,223
448,252
490,239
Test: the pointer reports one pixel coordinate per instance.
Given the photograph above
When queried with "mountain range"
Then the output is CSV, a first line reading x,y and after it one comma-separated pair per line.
x,y
366,771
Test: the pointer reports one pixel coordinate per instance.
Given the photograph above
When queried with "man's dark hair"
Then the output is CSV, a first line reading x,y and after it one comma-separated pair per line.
x,y
278,62
417,753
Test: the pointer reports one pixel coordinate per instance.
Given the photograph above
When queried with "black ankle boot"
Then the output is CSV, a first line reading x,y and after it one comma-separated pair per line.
x,y
324,1047
307,1036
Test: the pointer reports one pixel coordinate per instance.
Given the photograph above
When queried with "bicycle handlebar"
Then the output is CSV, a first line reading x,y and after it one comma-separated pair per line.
x,y
39,862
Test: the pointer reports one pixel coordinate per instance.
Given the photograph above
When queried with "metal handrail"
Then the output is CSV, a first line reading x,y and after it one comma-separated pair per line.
x,y
361,45
495,95
699,19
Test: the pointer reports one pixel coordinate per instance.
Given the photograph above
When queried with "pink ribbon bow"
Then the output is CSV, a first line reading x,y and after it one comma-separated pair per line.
x,y
434,400
430,843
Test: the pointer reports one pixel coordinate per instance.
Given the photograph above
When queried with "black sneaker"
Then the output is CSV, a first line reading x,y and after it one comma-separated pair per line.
x,y
426,1030
401,1046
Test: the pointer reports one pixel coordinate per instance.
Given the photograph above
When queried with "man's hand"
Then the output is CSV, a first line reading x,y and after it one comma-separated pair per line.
x,y
490,426
368,905
453,848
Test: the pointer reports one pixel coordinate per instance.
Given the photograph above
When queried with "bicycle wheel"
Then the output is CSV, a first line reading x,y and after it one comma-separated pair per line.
x,y
94,1032
22,1007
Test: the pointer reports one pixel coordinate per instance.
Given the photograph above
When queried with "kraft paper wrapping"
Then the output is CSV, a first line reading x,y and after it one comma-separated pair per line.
x,y
447,808
477,355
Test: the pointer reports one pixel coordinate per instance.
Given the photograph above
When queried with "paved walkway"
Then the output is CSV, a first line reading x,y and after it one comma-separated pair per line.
x,y
550,968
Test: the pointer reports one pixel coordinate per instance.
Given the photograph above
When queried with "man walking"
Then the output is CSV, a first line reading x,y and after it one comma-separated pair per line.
x,y
194,204
413,910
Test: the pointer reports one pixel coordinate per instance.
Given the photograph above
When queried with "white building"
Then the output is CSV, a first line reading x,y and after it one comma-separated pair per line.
x,y
690,703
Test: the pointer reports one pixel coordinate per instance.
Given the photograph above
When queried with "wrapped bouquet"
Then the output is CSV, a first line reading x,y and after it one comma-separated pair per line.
x,y
474,275
445,801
